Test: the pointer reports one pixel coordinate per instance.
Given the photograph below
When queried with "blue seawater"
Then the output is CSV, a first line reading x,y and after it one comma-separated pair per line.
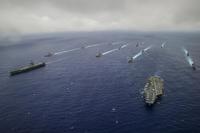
x,y
79,93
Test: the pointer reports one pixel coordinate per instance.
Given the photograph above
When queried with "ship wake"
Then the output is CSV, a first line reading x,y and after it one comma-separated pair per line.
x,y
125,45
95,45
110,51
163,44
66,51
140,53
58,60
188,58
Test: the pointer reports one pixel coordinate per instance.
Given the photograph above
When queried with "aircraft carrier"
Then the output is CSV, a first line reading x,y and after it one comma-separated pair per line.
x,y
31,67
153,89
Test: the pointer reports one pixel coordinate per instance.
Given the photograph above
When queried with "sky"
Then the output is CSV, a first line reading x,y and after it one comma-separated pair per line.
x,y
38,16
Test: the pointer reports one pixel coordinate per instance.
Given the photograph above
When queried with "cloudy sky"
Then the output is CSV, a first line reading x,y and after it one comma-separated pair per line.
x,y
30,16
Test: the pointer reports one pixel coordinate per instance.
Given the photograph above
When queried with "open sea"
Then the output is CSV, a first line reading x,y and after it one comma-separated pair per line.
x,y
79,93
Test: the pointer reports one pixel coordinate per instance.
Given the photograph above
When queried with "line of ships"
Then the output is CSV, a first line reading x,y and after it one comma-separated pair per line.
x,y
34,66
153,90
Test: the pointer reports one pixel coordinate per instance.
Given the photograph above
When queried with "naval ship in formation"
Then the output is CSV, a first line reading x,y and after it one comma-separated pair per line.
x,y
153,89
28,68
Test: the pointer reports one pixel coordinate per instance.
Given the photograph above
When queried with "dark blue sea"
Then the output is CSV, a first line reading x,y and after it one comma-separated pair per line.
x,y
79,93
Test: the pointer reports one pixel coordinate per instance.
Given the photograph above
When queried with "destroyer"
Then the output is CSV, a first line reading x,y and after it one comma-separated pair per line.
x,y
193,66
48,55
153,89
31,67
98,55
137,45
187,53
83,47
120,48
130,60
142,51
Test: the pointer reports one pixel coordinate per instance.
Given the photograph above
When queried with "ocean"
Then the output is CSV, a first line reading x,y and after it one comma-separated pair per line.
x,y
79,93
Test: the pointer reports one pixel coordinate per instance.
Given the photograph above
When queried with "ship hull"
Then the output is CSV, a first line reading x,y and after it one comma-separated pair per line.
x,y
27,69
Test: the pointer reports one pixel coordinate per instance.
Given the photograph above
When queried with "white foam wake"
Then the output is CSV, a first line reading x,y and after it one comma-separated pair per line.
x,y
137,55
125,45
50,62
140,53
185,51
163,44
94,45
190,61
110,51
66,51
188,58
147,48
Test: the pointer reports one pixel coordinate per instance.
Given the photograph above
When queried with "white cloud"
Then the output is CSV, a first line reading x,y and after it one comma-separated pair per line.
x,y
27,16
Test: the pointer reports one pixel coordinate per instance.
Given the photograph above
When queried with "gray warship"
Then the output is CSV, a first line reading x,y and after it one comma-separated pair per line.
x,y
28,68
98,54
153,89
